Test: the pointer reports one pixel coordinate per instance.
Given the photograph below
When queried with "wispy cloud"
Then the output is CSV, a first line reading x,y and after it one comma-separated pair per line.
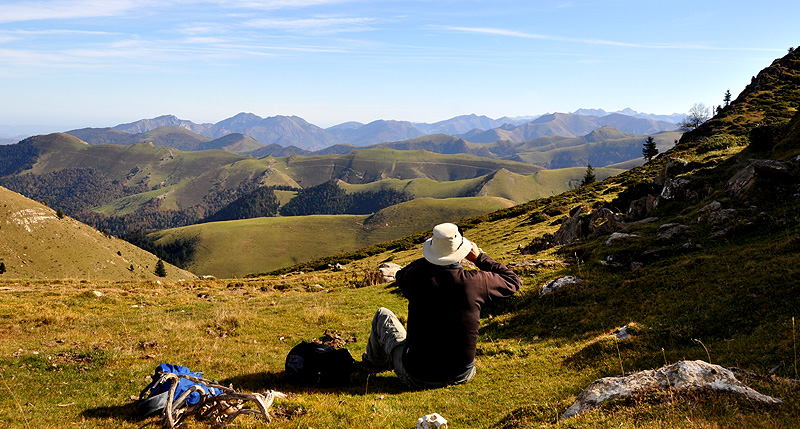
x,y
316,25
17,11
274,4
25,10
519,34
523,35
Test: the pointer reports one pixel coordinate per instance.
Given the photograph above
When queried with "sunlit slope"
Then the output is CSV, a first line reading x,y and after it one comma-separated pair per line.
x,y
35,243
502,183
241,247
371,165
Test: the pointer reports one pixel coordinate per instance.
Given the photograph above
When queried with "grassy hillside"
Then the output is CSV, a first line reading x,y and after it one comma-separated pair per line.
x,y
370,165
600,147
596,151
151,187
238,248
36,242
502,183
156,166
175,138
236,143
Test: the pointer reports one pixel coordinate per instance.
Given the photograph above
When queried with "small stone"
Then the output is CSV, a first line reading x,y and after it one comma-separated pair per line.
x,y
97,293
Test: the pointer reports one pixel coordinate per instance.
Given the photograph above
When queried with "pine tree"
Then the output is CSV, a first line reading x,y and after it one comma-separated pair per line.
x,y
2,267
649,150
589,177
160,270
727,98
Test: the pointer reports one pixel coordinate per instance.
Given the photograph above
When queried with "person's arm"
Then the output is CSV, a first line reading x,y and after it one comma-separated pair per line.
x,y
508,282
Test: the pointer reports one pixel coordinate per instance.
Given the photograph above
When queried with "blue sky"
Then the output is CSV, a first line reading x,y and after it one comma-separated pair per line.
x,y
79,63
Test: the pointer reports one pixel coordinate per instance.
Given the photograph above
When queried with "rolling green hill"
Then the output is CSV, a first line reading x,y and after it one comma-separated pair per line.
x,y
37,242
370,165
172,137
601,147
241,247
502,183
149,187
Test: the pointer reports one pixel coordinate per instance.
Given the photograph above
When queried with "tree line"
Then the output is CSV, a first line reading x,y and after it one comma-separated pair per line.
x,y
178,252
329,198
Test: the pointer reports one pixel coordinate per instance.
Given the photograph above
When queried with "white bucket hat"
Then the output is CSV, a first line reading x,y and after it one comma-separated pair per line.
x,y
447,246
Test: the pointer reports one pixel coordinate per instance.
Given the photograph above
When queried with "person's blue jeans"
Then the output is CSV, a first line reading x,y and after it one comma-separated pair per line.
x,y
385,347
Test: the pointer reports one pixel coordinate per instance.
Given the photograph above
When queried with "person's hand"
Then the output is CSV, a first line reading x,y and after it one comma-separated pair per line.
x,y
473,254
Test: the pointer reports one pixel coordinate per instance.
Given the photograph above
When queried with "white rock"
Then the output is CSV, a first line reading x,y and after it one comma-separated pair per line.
x,y
388,270
558,283
431,421
681,376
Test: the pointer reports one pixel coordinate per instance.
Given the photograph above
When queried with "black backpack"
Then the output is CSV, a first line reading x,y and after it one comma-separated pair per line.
x,y
318,364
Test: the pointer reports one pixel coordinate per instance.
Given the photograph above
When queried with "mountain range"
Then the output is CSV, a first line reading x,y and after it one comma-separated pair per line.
x,y
293,131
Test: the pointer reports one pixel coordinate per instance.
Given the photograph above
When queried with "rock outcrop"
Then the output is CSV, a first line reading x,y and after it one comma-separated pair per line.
x,y
682,376
741,182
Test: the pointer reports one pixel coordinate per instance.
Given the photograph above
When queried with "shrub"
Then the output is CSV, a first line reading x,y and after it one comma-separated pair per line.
x,y
160,270
720,142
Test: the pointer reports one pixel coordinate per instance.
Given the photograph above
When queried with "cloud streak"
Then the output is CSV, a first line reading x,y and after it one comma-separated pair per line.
x,y
21,11
316,25
65,9
522,35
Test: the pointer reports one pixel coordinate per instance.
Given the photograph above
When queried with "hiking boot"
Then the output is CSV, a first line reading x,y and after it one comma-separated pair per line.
x,y
369,366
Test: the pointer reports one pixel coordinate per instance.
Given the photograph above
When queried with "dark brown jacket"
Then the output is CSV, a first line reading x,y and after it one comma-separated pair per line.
x,y
444,305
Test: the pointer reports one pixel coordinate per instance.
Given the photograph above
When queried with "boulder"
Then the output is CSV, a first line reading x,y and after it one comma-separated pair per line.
x,y
682,376
741,182
706,211
571,228
676,188
713,213
603,222
771,167
585,223
640,208
738,185
388,270
554,285
669,231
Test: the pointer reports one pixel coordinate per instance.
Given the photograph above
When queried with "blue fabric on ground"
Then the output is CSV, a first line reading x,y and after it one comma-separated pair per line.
x,y
183,384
